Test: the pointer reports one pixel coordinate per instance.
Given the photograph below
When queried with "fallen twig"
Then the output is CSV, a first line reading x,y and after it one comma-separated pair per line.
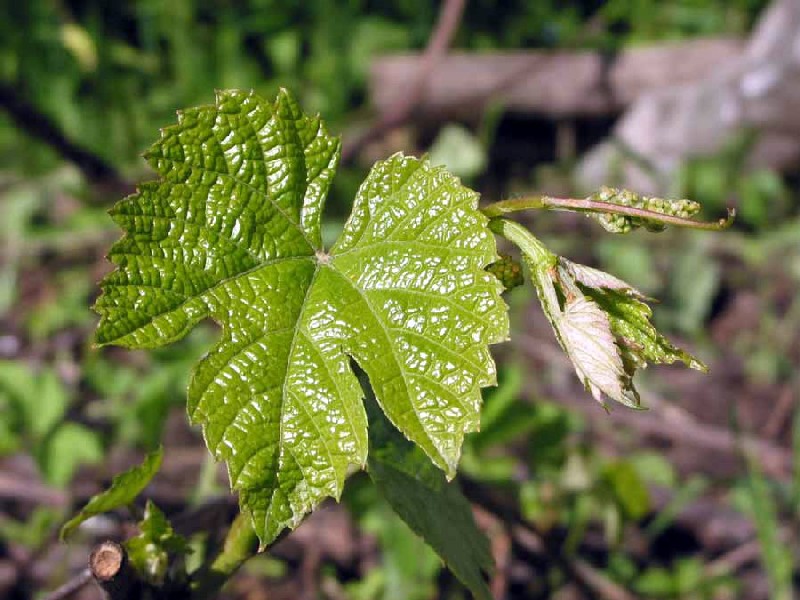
x,y
464,84
401,109
70,587
780,414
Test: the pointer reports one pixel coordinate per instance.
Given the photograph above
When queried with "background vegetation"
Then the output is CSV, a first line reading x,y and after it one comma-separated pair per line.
x,y
699,498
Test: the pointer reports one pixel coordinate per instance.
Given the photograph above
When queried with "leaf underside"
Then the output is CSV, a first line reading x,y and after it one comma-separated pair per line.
x,y
231,232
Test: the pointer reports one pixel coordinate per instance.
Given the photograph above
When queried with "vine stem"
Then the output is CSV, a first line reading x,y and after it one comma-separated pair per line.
x,y
587,205
533,250
241,544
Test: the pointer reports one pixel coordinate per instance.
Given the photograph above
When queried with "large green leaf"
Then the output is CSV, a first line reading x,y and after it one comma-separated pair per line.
x,y
231,231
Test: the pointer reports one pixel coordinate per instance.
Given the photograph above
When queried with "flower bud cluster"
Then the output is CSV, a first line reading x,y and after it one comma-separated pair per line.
x,y
683,208
508,271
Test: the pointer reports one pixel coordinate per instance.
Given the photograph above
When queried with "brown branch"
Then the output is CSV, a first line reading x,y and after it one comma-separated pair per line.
x,y
401,109
780,414
14,486
42,127
733,560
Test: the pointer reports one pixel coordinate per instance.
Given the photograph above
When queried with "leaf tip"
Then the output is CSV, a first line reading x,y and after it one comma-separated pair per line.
x,y
726,222
219,95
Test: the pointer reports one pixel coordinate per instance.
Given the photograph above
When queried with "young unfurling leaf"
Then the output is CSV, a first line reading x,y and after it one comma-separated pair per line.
x,y
601,322
588,339
639,341
157,545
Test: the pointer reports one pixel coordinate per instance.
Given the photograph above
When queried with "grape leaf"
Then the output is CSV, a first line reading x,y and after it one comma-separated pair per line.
x,y
639,341
588,277
432,507
231,232
123,490
585,333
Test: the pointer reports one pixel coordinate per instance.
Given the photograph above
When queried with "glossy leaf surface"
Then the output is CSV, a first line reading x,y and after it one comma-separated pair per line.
x,y
231,231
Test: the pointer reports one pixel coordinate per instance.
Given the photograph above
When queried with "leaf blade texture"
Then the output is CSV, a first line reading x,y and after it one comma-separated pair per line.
x,y
231,232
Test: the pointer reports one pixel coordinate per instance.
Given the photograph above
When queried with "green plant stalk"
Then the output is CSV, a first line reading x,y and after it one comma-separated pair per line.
x,y
504,207
542,264
241,544
776,557
543,267
540,260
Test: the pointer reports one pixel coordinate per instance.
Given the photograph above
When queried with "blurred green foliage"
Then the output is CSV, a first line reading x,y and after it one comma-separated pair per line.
x,y
34,406
408,567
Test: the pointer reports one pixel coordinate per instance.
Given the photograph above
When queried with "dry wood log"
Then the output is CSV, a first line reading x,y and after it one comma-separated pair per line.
x,y
554,83
758,91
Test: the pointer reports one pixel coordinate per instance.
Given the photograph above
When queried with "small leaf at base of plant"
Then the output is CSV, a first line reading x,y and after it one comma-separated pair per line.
x,y
122,492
